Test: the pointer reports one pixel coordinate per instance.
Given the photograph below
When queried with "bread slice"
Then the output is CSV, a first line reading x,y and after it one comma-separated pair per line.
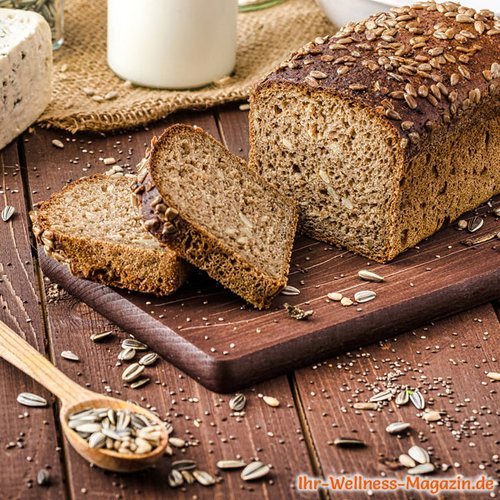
x,y
221,217
93,226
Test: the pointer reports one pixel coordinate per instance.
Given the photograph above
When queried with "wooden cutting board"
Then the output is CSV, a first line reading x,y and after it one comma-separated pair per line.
x,y
216,338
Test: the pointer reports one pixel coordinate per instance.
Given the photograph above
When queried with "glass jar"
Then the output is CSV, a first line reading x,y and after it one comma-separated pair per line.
x,y
51,10
173,44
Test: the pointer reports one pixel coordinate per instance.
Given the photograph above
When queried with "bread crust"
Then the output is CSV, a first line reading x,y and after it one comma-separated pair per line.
x,y
194,243
142,269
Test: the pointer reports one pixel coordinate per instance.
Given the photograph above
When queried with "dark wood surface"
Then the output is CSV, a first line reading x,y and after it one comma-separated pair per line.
x,y
448,360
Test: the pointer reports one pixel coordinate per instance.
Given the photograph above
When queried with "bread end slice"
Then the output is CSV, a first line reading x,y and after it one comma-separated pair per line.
x,y
93,227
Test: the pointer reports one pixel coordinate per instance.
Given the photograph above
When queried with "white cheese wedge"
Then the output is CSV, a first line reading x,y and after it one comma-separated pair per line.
x,y
25,71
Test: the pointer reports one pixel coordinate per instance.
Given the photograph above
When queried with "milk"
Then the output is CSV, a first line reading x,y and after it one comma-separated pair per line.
x,y
176,44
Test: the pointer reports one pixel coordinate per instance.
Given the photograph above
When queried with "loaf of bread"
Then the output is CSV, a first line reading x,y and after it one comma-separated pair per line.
x,y
93,226
203,202
387,130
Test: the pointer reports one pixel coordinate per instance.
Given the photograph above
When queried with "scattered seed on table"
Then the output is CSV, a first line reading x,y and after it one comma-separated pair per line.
x,y
426,468
270,401
97,337
364,296
406,460
365,406
139,383
177,442
149,359
7,212
238,402
184,464
346,301
132,372
33,400
397,427
109,161
43,477
335,296
231,464
462,224
290,290
419,454
402,398
254,470
57,143
134,344
127,354
382,396
70,356
417,399
175,479
204,478
431,416
347,442
475,224
493,376
370,276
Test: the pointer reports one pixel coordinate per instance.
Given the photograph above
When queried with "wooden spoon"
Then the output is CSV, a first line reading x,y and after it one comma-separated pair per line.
x,y
74,398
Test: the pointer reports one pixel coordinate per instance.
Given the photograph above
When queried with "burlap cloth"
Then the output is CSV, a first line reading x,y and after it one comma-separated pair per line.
x,y
265,38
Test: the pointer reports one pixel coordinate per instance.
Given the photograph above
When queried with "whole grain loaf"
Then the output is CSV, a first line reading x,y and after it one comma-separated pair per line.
x,y
93,227
387,130
203,202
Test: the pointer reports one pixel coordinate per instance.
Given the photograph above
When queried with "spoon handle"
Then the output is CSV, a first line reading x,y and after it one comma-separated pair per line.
x,y
19,353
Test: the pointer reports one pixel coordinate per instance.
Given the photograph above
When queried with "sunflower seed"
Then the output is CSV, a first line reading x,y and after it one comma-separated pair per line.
x,y
97,337
493,376
462,224
346,442
188,477
364,296
419,455
139,383
89,427
365,406
335,296
132,372
431,416
82,414
149,359
290,290
402,398
238,402
382,396
270,401
231,464
70,356
474,224
143,445
204,478
421,469
97,440
127,354
346,301
369,276
7,212
175,479
43,477
397,427
184,465
33,400
406,460
134,344
177,442
496,211
57,143
254,470
417,399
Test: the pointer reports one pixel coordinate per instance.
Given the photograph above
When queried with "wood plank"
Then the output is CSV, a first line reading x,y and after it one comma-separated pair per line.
x,y
448,361
19,308
177,398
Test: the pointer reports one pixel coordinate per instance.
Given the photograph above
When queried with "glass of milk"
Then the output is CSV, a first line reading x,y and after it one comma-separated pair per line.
x,y
172,44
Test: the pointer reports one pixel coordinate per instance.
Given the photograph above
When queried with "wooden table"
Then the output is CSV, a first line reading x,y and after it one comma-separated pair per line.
x,y
448,360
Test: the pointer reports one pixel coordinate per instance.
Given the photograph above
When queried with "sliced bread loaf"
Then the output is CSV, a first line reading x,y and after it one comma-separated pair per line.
x,y
221,217
93,226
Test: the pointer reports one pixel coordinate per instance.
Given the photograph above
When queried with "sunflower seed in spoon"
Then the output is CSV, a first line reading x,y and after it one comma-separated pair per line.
x,y
419,454
70,356
204,478
231,464
7,212
426,468
370,276
402,398
254,470
149,359
97,440
397,427
382,396
89,427
290,290
33,400
407,461
364,296
238,402
417,399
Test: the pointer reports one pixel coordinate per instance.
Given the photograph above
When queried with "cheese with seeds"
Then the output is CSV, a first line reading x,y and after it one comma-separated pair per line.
x,y
25,71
